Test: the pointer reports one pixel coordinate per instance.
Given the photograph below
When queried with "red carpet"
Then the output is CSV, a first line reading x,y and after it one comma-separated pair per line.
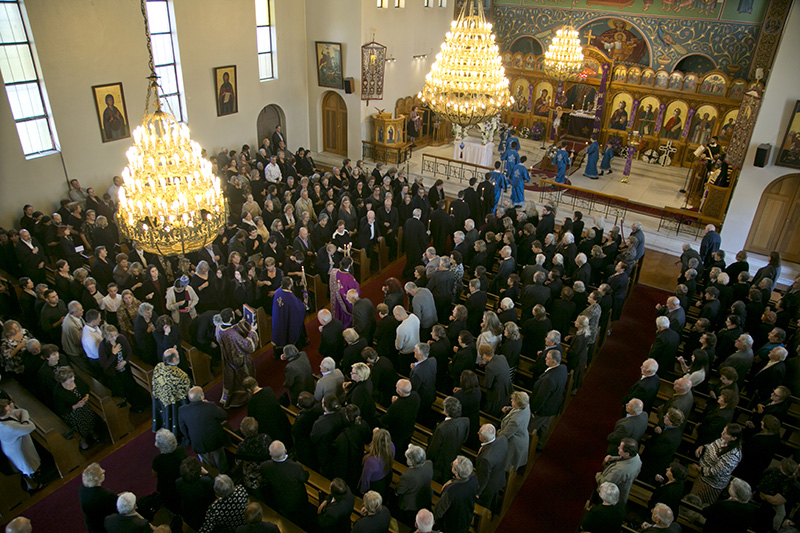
x,y
562,479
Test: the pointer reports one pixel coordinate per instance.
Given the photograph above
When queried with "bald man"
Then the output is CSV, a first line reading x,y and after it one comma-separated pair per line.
x,y
331,342
401,416
632,426
20,525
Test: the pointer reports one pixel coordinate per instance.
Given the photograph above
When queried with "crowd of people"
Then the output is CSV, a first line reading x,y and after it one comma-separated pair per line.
x,y
498,306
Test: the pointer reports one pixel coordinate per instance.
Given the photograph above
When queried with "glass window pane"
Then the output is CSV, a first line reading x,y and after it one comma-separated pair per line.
x,y
16,63
166,79
162,49
34,135
264,39
265,66
262,12
11,28
172,104
158,16
25,100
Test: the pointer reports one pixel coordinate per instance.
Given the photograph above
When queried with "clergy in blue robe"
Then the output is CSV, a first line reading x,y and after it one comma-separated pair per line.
x,y
561,161
504,135
592,155
518,178
510,158
500,185
605,164
288,315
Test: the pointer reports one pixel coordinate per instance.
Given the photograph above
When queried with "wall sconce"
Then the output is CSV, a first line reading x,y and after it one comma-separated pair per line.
x,y
390,60
420,56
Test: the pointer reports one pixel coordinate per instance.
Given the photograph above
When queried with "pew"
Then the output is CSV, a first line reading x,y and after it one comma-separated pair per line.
x,y
360,264
142,373
50,428
200,363
13,494
117,419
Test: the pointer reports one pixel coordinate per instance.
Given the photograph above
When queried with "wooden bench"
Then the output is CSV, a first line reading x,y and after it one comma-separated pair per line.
x,y
117,419
142,373
200,363
50,428
13,494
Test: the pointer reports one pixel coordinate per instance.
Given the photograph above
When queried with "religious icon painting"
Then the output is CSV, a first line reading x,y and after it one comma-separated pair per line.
x,y
517,61
530,61
506,59
675,81
620,73
662,79
329,65
622,105
737,89
728,123
226,90
690,83
714,84
703,122
634,75
544,98
674,117
646,115
540,63
647,77
591,67
109,101
520,89
789,152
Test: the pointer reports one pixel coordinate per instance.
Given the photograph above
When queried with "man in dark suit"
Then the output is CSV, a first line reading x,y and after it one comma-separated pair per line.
x,y
547,223
771,375
263,405
454,510
401,416
385,337
442,285
333,515
486,192
383,374
441,225
423,378
212,255
742,360
389,222
646,387
363,315
327,258
302,244
324,432
31,256
331,343
126,519
447,439
284,485
310,411
97,502
674,312
476,305
535,294
661,448
490,466
547,396
459,210
665,346
505,268
277,139
460,246
583,272
632,426
201,421
497,380
369,232
682,399
473,201
710,244
415,240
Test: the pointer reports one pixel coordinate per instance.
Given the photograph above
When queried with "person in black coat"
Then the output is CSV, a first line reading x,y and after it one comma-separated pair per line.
x,y
547,395
284,485
423,378
369,232
264,406
382,375
375,517
415,240
453,512
646,388
490,466
310,411
401,416
327,258
497,381
201,421
333,514
737,513
441,225
196,491
363,316
465,355
389,222
547,223
442,286
661,448
771,376
447,439
331,343
359,392
96,502
440,352
348,447
665,346
608,516
325,430
385,337
476,305
670,489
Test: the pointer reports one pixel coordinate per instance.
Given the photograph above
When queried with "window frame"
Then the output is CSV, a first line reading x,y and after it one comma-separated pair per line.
x,y
174,65
270,5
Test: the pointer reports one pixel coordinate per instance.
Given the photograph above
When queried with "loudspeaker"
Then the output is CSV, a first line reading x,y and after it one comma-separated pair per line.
x,y
349,85
762,155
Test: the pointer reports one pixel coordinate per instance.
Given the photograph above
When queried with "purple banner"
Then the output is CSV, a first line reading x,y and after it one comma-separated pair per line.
x,y
633,113
530,98
688,123
561,97
660,119
601,99
627,170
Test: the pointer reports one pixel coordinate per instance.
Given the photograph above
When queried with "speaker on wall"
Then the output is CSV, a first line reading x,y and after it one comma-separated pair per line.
x,y
762,155
349,85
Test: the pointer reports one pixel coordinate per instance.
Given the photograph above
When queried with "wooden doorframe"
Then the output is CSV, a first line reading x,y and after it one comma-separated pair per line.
x,y
265,128
779,230
334,107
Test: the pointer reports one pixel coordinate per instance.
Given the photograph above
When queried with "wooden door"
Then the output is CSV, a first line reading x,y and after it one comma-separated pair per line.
x,y
334,124
268,118
776,220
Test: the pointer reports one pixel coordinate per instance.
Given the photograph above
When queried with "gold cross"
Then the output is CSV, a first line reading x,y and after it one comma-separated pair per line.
x,y
280,302
590,36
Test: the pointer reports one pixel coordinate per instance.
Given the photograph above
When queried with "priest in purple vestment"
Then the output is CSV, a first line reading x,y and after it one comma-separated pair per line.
x,y
237,342
288,315
340,282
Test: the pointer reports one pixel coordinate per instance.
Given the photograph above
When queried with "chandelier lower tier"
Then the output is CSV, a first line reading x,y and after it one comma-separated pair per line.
x,y
563,59
467,82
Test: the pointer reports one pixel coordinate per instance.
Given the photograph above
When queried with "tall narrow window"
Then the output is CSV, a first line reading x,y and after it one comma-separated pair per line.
x,y
25,90
265,40
165,56
442,3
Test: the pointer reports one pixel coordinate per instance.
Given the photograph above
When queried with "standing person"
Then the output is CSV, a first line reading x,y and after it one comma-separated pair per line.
x,y
15,439
592,155
490,466
201,421
514,427
455,508
519,175
414,125
288,314
70,402
237,342
415,240
621,469
284,484
97,502
562,162
170,387
341,281
605,164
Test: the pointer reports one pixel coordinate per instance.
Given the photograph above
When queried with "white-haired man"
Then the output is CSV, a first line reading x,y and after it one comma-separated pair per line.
x,y
126,518
454,509
331,380
665,346
331,343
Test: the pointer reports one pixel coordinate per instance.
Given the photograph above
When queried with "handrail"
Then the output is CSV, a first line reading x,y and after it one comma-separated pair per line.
x,y
682,220
584,199
452,168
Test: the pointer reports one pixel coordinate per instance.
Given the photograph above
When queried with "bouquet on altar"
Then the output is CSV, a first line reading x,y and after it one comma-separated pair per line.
x,y
537,131
551,152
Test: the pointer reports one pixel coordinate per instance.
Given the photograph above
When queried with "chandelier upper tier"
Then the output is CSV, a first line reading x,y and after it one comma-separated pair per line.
x,y
467,82
170,201
563,60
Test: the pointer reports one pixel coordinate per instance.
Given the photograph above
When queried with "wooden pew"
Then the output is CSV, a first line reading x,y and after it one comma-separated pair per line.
x,y
13,494
50,428
142,373
319,290
200,363
360,264
117,419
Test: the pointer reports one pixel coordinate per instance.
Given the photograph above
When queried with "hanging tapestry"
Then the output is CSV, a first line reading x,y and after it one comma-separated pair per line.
x,y
373,64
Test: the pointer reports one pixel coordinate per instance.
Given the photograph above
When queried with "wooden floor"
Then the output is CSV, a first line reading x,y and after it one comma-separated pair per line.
x,y
660,271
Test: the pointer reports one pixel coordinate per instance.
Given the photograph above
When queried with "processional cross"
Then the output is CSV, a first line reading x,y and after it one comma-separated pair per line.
x,y
668,150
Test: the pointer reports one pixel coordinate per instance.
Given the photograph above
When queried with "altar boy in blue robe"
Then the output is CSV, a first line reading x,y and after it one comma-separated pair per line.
x,y
500,184
592,155
605,164
518,178
510,158
562,162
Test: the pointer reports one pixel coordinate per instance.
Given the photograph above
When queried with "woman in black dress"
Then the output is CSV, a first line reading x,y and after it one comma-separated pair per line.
x,y
167,468
269,282
469,394
71,402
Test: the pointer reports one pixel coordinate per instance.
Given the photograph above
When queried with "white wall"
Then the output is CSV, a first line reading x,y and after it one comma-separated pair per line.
x,y
783,90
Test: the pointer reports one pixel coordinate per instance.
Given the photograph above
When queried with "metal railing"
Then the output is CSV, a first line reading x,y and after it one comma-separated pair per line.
x,y
452,168
585,200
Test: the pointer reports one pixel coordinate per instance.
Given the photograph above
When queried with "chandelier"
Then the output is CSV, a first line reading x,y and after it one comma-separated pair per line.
x,y
169,202
563,60
467,82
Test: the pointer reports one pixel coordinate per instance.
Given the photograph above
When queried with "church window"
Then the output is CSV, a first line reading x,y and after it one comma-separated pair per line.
x,y
265,39
166,56
27,96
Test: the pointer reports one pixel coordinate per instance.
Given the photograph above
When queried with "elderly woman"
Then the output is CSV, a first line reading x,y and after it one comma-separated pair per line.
x,y
227,512
491,332
609,515
71,402
251,452
170,388
12,347
514,427
374,515
578,353
143,327
717,462
15,440
414,486
377,472
127,313
97,502
511,347
196,492
91,297
167,468
359,390
237,342
206,286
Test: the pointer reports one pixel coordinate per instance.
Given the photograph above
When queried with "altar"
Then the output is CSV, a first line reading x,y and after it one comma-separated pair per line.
x,y
472,151
580,125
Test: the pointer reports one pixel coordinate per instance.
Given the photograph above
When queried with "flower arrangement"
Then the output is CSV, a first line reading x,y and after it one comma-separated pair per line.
x,y
615,141
551,152
537,131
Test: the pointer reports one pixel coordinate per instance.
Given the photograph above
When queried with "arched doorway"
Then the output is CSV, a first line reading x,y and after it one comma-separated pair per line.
x,y
777,218
334,124
269,117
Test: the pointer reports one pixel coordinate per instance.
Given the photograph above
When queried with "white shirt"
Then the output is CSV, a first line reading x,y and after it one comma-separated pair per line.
x,y
90,339
110,304
272,173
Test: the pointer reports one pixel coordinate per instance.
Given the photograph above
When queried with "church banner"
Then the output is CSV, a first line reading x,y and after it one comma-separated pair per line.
x,y
633,113
746,121
373,65
688,124
601,99
660,119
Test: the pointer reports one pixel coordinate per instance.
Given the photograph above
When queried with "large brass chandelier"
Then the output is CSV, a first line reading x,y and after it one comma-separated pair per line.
x,y
467,82
170,202
563,59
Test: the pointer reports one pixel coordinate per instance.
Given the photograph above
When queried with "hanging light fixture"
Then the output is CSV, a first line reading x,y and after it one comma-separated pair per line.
x,y
467,82
563,59
169,202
